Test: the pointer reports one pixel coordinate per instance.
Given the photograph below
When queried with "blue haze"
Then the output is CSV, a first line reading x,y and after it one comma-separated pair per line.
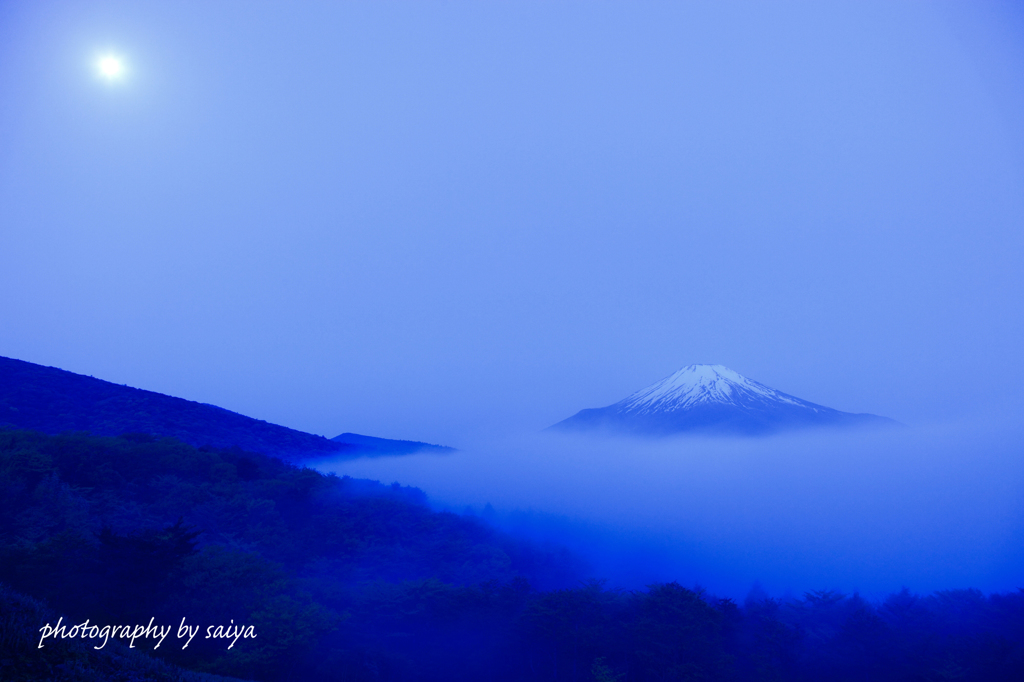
x,y
873,512
462,222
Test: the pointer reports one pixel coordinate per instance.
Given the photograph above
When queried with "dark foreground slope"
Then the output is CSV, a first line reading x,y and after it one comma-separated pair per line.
x,y
53,401
353,580
120,530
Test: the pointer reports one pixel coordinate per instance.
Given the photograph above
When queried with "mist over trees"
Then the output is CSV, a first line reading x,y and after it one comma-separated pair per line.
x,y
348,579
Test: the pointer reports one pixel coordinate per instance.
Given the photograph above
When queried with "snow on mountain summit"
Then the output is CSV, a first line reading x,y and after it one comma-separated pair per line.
x,y
695,384
711,399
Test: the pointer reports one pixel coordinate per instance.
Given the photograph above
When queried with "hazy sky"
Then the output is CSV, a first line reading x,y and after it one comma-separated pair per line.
x,y
431,220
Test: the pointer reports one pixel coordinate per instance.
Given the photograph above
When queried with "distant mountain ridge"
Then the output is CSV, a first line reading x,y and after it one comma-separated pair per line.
x,y
53,400
714,400
372,446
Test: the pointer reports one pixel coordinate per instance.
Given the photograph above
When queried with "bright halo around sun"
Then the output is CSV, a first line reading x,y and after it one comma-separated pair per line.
x,y
110,67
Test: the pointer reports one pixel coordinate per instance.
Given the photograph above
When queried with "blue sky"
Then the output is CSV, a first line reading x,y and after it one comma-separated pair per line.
x,y
435,220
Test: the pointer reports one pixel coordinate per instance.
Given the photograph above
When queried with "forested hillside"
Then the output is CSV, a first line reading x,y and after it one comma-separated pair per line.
x,y
52,400
344,579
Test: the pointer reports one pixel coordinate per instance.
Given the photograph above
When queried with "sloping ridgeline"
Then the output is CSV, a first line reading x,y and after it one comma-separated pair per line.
x,y
53,401
369,446
352,580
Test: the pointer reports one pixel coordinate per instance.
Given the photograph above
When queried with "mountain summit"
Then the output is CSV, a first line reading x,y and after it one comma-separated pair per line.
x,y
711,399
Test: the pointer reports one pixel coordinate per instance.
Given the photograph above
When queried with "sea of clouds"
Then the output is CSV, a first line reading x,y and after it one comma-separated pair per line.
x,y
928,508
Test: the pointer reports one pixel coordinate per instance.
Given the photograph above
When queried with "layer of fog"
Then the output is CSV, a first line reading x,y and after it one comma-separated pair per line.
x,y
929,509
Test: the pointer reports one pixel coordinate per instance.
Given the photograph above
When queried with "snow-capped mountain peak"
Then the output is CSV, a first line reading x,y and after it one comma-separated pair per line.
x,y
701,384
712,399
